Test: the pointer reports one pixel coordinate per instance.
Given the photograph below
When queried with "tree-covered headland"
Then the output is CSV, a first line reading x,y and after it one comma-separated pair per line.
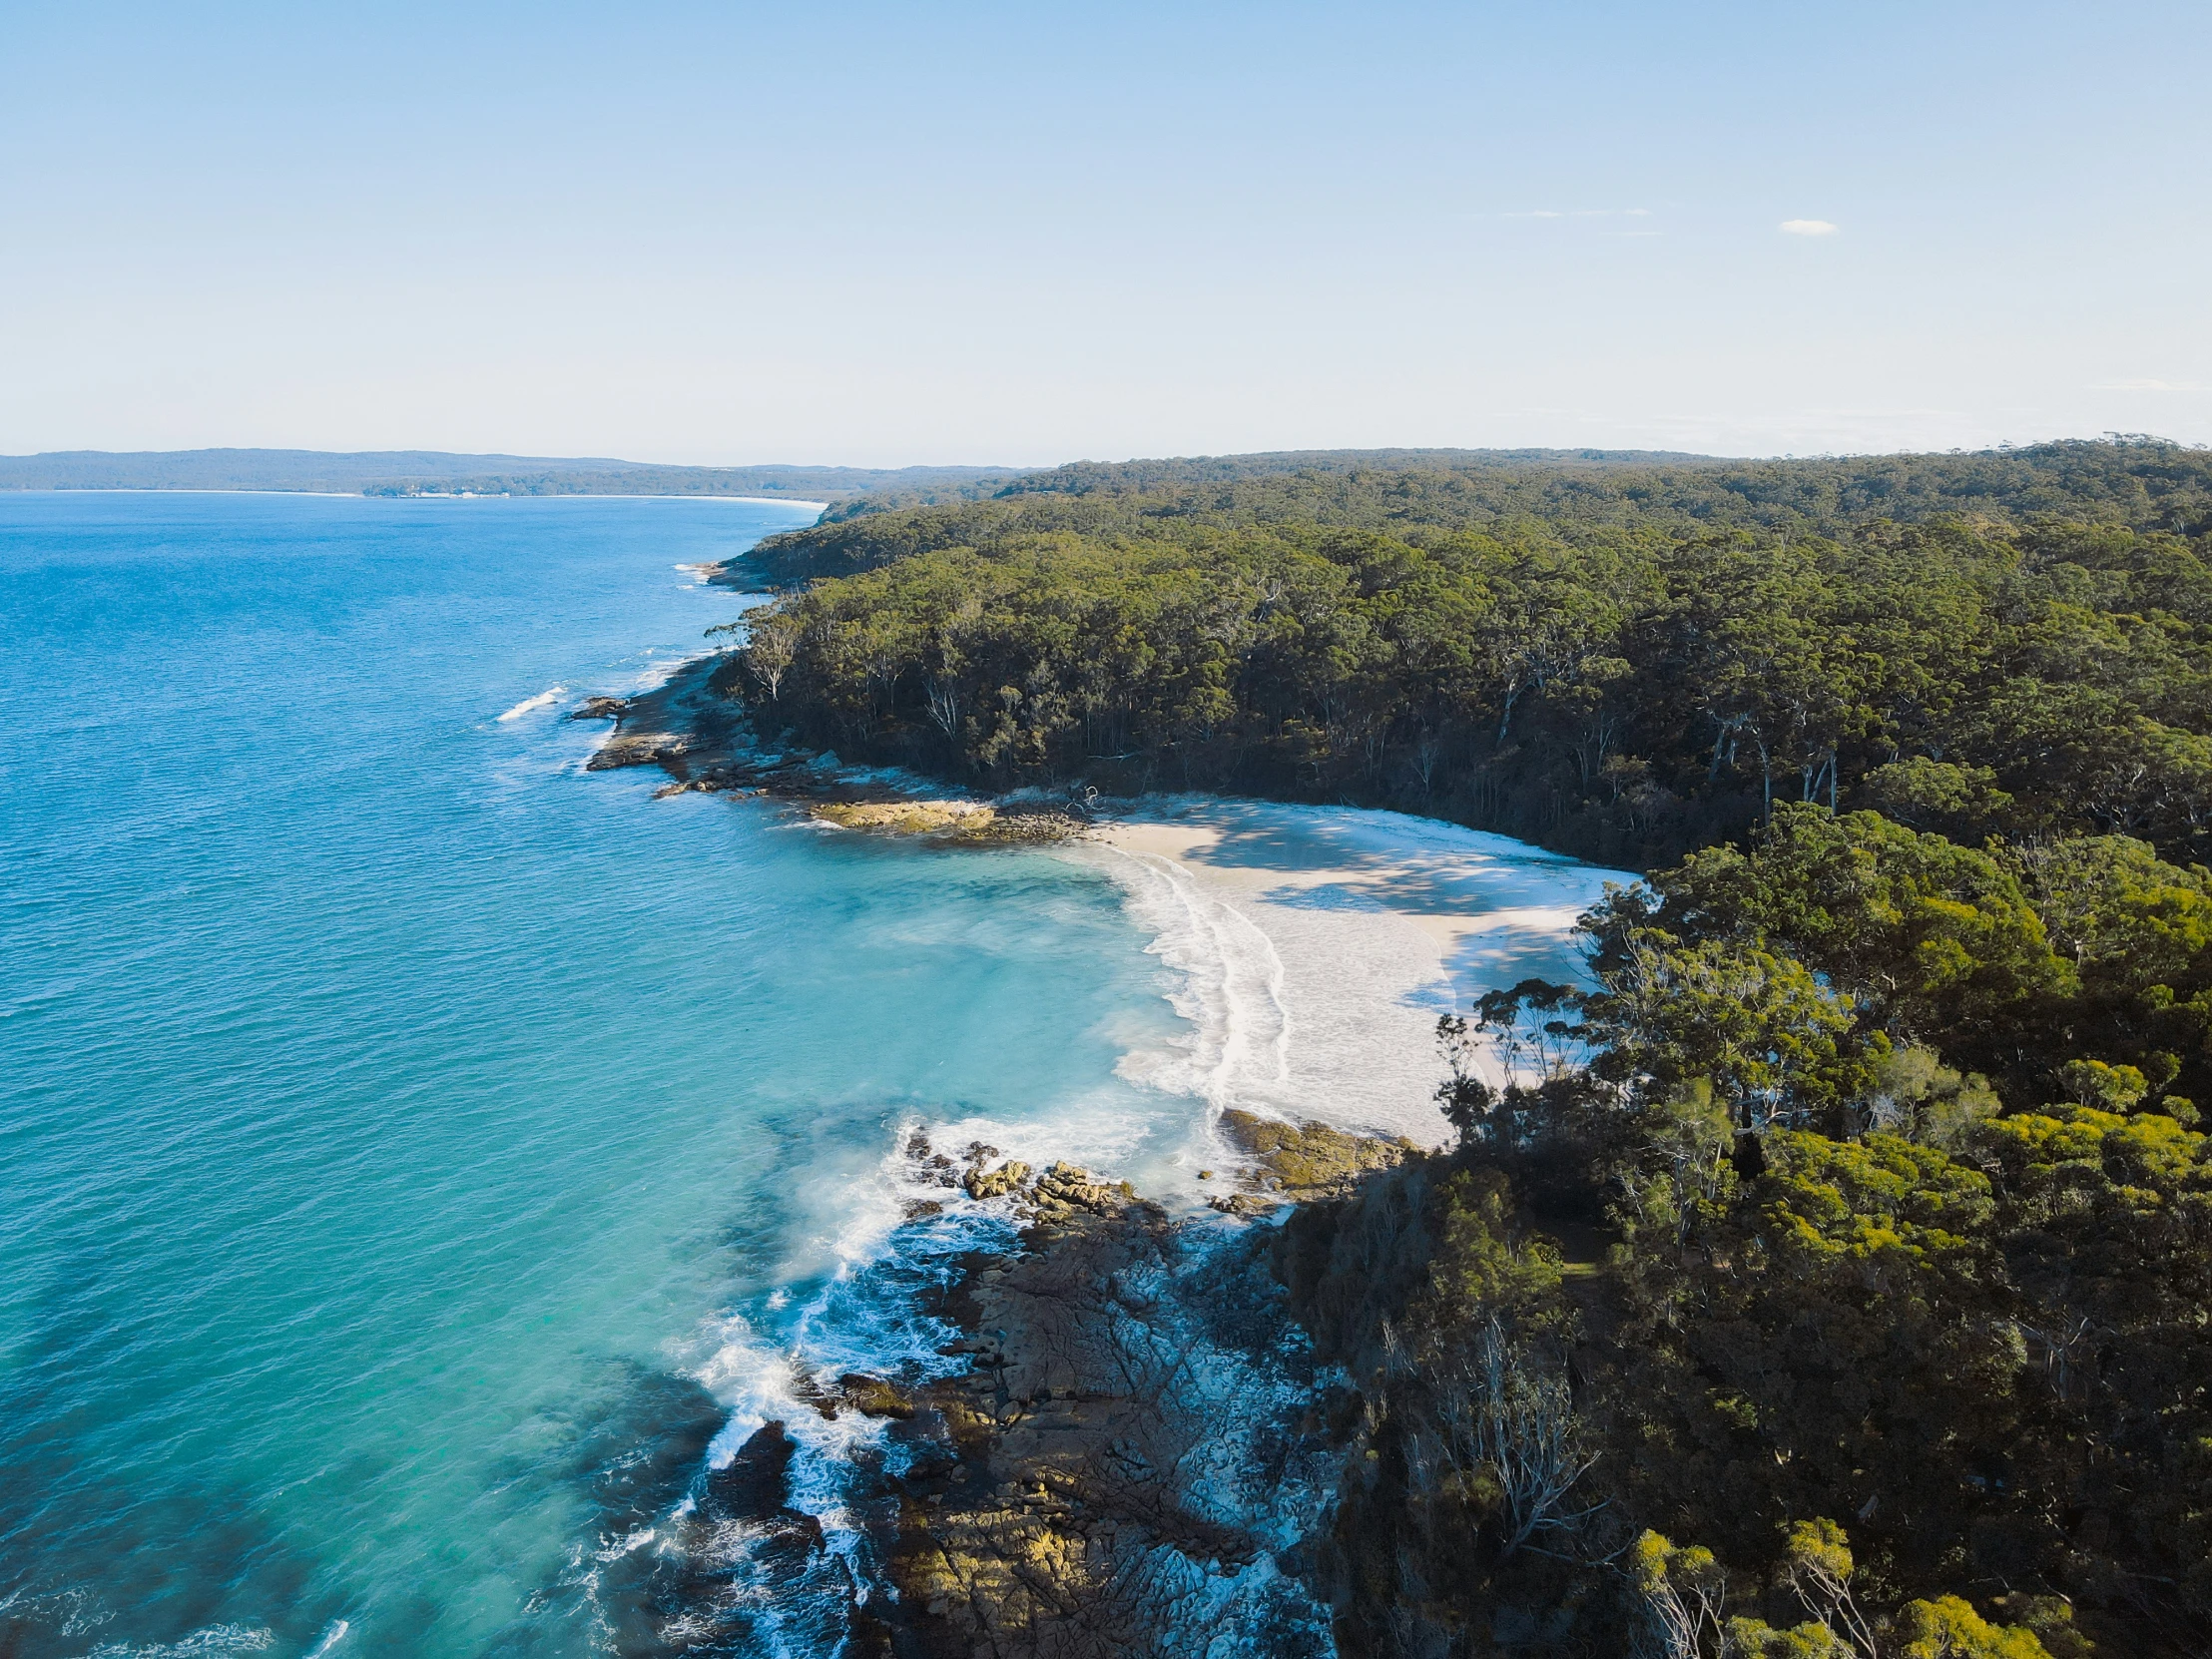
x,y
1835,1278
1624,661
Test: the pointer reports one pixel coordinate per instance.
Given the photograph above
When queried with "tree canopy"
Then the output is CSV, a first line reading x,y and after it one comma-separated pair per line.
x,y
1625,684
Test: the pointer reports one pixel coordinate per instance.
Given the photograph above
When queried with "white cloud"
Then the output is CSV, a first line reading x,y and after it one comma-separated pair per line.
x,y
2150,385
1808,228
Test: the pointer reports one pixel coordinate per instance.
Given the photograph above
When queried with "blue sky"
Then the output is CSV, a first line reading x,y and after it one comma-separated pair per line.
x,y
883,234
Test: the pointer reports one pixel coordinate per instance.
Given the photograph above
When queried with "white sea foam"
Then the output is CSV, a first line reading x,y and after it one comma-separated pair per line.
x,y
216,1641
529,705
857,1215
660,666
1229,984
627,1544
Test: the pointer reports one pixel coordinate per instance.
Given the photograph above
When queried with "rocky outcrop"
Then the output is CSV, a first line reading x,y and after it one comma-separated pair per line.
x,y
1129,1450
1115,1463
1063,1190
691,729
1001,1182
970,823
678,726
873,1396
1302,1162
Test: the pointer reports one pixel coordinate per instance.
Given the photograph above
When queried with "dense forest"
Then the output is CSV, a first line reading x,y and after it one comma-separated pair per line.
x,y
1834,1282
1833,1279
1619,660
2143,483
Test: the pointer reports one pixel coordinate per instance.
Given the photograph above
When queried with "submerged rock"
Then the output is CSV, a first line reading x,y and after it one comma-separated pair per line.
x,y
751,1485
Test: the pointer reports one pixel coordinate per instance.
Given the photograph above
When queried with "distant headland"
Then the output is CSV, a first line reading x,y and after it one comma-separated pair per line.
x,y
403,472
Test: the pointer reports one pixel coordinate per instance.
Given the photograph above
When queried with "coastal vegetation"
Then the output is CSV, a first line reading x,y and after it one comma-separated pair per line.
x,y
1622,662
1834,1277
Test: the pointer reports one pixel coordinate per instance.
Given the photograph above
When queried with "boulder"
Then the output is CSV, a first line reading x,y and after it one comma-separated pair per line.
x,y
1010,1177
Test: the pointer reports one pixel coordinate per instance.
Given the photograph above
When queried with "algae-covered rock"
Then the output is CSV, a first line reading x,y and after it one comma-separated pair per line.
x,y
1242,1205
1010,1177
905,818
872,1397
1064,1189
959,822
1303,1161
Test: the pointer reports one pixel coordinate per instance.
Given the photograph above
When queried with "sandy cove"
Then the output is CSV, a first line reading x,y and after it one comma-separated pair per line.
x,y
1201,845
1314,947
1138,1449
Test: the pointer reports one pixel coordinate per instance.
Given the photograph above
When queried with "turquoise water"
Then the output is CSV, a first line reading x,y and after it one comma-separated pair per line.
x,y
413,1150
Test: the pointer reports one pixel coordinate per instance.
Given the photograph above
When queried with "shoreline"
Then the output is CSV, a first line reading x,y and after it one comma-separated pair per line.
x,y
1132,1443
699,737
1129,1444
1310,949
1324,944
420,495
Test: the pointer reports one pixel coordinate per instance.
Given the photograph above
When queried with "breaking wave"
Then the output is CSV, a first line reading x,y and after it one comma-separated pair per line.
x,y
530,704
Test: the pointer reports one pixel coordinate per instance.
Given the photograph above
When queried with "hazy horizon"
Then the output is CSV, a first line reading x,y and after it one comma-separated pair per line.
x,y
1533,451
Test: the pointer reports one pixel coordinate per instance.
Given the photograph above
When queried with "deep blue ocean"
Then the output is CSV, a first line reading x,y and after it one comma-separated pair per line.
x,y
412,1148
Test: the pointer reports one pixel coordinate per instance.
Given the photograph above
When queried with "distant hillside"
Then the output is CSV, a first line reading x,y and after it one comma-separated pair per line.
x,y
2142,484
2147,483
1076,477
433,472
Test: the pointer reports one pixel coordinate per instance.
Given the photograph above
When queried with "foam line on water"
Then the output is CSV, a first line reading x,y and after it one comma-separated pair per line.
x,y
862,1317
889,1237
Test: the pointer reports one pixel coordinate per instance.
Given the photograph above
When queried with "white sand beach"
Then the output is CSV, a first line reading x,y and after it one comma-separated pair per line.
x,y
1311,948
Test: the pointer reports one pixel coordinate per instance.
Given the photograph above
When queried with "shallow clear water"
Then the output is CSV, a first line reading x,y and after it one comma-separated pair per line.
x,y
412,1149
420,1160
